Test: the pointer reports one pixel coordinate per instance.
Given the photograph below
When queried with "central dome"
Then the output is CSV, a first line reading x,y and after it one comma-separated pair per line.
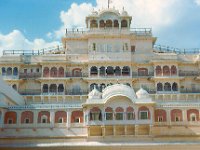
x,y
118,90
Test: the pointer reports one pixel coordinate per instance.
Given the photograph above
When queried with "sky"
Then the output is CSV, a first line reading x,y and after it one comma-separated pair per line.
x,y
37,24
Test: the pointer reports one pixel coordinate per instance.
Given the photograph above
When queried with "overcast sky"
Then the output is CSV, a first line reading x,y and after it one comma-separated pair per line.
x,y
36,24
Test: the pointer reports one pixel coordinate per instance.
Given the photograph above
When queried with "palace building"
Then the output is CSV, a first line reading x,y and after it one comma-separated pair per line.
x,y
105,80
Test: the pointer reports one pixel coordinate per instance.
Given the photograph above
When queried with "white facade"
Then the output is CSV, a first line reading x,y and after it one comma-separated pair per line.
x,y
107,79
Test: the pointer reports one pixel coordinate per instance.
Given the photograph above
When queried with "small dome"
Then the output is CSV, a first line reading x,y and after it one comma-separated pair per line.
x,y
124,13
94,13
94,94
141,93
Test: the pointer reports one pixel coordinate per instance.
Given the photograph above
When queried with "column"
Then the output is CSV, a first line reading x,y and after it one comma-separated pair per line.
x,y
125,130
103,131
136,129
150,129
68,118
2,118
18,118
52,118
114,130
152,115
136,114
35,118
88,130
184,113
168,116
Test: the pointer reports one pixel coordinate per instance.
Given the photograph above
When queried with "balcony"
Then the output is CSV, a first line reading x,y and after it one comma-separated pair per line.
x,y
142,74
78,92
30,92
77,75
188,73
122,56
67,92
80,32
110,76
187,91
10,77
29,75
118,122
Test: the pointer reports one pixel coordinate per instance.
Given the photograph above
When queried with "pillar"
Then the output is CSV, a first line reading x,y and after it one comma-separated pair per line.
x,y
35,118
125,130
136,129
18,118
114,130
52,118
103,130
68,118
169,116
184,113
150,129
2,118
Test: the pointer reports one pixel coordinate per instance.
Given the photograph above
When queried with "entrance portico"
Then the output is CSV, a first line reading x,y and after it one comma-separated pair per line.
x,y
118,110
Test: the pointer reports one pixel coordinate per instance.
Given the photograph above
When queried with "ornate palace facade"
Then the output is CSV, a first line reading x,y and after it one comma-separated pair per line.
x,y
105,80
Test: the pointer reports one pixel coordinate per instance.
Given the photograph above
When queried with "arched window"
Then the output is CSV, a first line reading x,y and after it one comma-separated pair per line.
x,y
27,117
143,113
193,117
3,71
102,71
15,71
126,71
54,72
93,24
117,71
124,24
14,86
60,88
53,88
109,113
176,115
101,24
108,23
160,115
159,87
175,86
45,88
46,72
60,117
44,117
95,114
9,71
142,72
77,117
166,71
61,72
167,87
119,111
130,113
76,72
93,70
93,85
110,71
116,24
10,117
102,87
173,70
158,71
